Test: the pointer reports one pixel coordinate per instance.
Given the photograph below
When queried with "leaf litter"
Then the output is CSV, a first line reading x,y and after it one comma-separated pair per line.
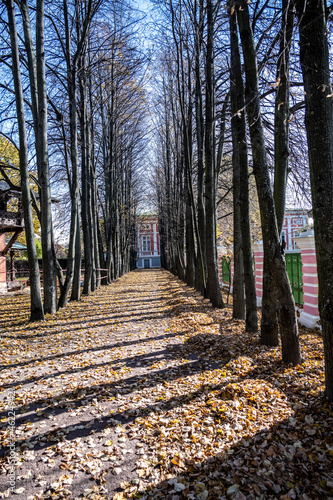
x,y
143,390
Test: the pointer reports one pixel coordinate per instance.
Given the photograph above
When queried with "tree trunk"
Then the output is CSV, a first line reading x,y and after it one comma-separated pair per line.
x,y
85,209
240,144
269,320
190,245
237,123
213,287
269,326
273,258
91,220
94,209
36,67
314,57
281,126
238,306
36,304
76,285
73,183
49,267
200,131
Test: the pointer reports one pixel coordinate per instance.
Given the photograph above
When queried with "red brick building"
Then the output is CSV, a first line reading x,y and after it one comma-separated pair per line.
x,y
10,222
148,243
294,220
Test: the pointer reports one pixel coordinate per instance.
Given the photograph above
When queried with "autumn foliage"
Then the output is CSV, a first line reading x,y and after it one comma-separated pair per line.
x,y
143,390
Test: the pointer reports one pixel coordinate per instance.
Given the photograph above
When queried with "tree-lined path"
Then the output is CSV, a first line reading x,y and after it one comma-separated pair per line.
x,y
143,390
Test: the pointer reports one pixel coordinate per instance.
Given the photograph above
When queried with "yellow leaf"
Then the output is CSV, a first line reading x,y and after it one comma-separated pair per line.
x,y
124,485
118,496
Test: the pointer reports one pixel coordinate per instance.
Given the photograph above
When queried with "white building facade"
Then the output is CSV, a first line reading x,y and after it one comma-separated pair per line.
x,y
148,243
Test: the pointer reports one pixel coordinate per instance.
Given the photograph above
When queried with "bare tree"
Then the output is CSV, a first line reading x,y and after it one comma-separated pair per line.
x,y
314,57
36,305
241,179
274,263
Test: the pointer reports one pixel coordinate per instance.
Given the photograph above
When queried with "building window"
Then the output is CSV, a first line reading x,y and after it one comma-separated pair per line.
x,y
283,237
146,243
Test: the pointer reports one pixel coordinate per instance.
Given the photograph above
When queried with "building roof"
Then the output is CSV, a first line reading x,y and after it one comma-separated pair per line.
x,y
4,186
291,211
17,245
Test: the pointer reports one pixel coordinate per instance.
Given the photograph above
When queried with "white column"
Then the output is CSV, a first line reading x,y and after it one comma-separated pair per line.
x,y
289,237
155,240
139,243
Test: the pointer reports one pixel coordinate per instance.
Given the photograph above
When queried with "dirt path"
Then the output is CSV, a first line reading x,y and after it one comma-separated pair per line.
x,y
143,390
79,380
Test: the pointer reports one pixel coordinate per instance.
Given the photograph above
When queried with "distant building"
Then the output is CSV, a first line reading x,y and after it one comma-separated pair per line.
x,y
10,222
294,220
148,243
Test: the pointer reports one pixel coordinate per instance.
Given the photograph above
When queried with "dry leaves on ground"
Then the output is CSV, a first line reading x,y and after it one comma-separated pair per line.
x,y
143,390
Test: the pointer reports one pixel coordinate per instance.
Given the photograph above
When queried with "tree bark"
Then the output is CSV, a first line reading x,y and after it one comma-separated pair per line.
x,y
36,304
281,126
240,163
36,67
190,245
201,269
238,306
76,285
49,266
74,187
85,207
251,319
281,164
273,258
213,287
314,57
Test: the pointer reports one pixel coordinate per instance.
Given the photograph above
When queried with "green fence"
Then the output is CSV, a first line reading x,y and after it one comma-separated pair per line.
x,y
226,270
294,268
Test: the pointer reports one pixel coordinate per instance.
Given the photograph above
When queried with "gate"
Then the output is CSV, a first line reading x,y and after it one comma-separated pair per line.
x,y
294,269
226,270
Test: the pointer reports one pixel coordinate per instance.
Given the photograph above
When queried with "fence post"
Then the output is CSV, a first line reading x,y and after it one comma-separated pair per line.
x,y
258,250
309,317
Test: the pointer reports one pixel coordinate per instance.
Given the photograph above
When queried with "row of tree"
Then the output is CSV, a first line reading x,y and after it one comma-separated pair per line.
x,y
227,78
78,81
232,78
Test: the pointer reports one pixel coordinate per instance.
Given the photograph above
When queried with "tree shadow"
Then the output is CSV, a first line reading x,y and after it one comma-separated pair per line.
x,y
285,458
280,461
113,319
88,350
240,462
197,359
76,398
101,392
